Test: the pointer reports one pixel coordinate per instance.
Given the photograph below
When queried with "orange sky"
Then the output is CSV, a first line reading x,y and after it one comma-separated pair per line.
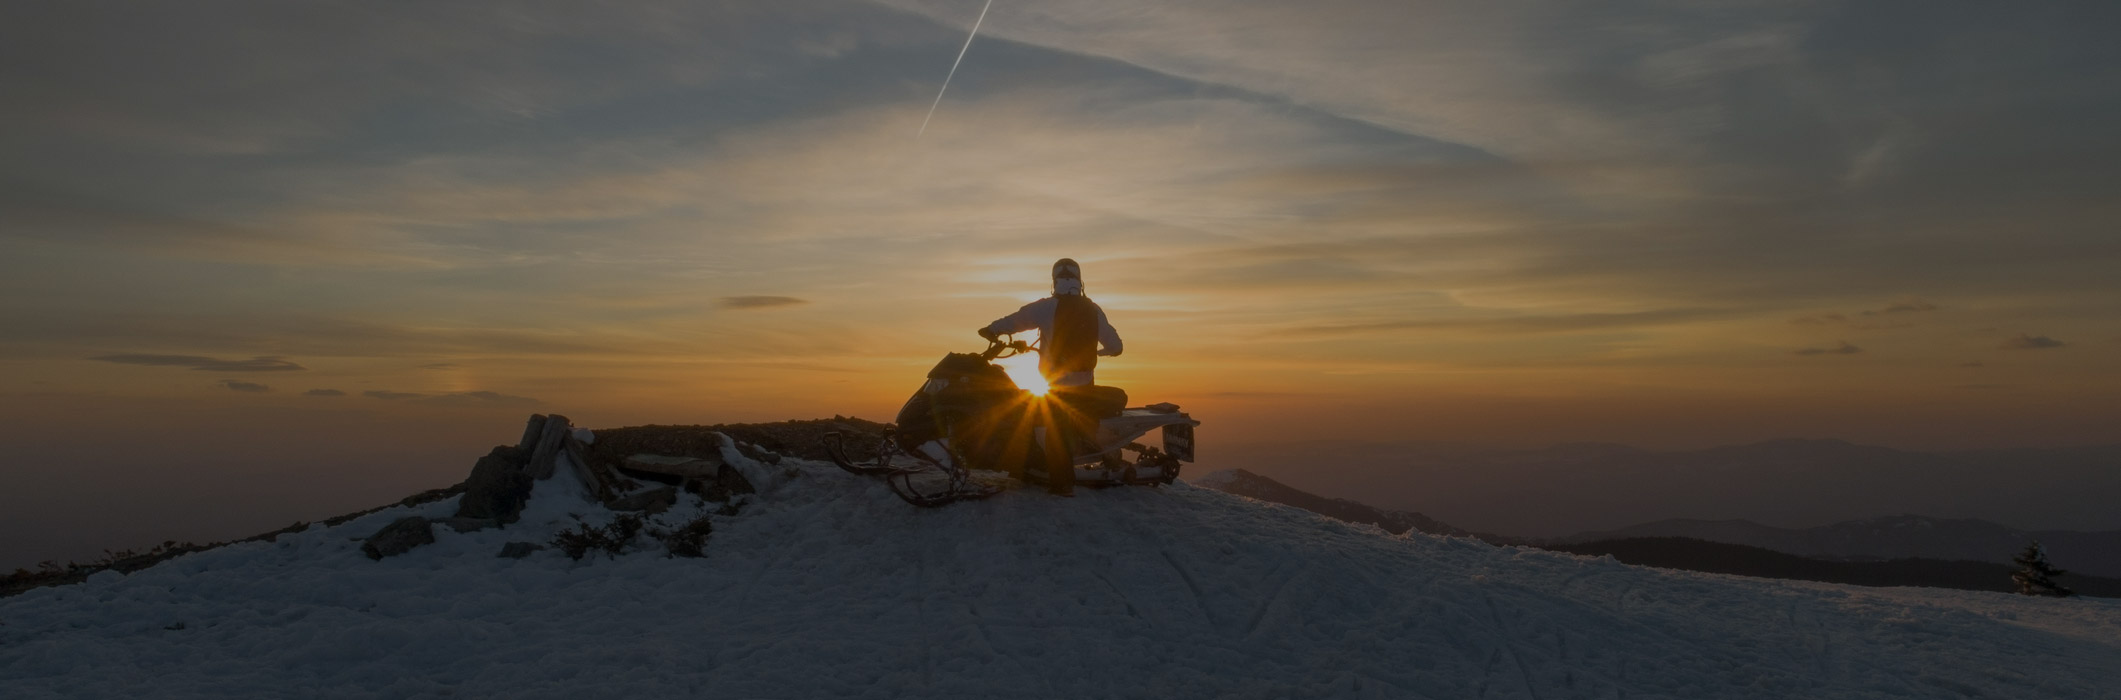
x,y
1513,223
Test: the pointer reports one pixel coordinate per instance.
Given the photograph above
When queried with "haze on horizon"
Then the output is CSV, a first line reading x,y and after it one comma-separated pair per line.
x,y
258,248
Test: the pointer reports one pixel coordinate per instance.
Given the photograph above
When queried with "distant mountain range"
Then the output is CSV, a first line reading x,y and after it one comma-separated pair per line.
x,y
1737,559
1893,551
1566,489
1895,537
1397,522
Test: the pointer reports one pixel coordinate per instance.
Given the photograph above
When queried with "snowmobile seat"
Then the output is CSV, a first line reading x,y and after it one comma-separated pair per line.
x,y
1092,402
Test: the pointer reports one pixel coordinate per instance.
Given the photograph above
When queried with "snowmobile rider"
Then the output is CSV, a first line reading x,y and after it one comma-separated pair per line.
x,y
1070,326
1073,333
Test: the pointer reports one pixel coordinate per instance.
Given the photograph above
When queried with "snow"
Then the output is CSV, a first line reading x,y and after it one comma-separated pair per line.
x,y
826,585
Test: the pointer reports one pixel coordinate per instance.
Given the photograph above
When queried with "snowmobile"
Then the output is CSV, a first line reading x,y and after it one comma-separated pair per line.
x,y
969,415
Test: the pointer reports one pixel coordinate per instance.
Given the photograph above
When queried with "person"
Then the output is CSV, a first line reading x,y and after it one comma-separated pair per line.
x,y
1073,332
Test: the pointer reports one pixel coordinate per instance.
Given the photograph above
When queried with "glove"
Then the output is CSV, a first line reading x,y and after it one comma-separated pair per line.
x,y
988,333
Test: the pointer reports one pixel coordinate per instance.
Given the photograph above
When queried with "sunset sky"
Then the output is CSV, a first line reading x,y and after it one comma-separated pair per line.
x,y
300,237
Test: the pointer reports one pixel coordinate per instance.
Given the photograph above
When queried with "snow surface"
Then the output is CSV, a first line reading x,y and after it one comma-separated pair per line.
x,y
828,586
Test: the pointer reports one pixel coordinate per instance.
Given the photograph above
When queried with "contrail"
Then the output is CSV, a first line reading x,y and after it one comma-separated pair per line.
x,y
953,68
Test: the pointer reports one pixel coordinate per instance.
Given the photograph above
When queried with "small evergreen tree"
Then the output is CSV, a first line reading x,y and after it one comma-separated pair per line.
x,y
2035,576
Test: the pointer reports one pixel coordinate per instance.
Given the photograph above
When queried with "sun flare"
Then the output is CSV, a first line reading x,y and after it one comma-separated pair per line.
x,y
1023,369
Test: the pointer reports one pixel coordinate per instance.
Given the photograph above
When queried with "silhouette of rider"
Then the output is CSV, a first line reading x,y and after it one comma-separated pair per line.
x,y
1073,333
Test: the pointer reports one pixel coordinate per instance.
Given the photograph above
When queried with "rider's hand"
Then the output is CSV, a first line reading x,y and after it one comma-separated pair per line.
x,y
1105,352
988,333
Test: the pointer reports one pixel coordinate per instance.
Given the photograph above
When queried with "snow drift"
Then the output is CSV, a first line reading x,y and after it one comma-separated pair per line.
x,y
825,584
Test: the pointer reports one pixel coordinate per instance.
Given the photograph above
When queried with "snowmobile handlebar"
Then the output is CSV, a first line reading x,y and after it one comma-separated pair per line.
x,y
998,348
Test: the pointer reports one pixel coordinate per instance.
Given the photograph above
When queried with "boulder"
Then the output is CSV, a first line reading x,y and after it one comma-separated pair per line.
x,y
552,441
461,524
602,481
497,487
724,484
532,430
652,501
682,467
758,454
399,537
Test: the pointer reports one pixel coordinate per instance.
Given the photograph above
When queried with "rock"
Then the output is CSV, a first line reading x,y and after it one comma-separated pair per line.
x,y
683,467
497,487
399,537
727,483
518,550
531,432
462,524
653,501
743,474
758,454
551,442
603,483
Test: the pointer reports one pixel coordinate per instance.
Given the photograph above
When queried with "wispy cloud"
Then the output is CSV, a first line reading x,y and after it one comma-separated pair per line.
x,y
759,302
1844,348
1903,307
2026,341
247,387
1898,308
206,364
455,398
1554,323
479,398
324,392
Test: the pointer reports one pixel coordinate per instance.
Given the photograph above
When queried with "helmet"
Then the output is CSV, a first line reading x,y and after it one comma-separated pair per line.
x,y
1067,277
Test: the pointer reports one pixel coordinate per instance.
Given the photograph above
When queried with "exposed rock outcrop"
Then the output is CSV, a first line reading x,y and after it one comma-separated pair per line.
x,y
399,537
498,486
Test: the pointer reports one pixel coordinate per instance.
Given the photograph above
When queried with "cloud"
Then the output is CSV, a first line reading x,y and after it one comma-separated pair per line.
x,y
2030,342
458,398
439,366
1843,349
1907,306
324,392
246,387
479,398
1554,323
204,364
759,302
1904,307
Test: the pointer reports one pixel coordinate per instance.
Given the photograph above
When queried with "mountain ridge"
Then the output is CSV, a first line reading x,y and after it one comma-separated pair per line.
x,y
1561,490
1712,546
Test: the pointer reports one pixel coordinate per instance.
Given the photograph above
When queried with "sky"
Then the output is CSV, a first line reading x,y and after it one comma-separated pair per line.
x,y
254,247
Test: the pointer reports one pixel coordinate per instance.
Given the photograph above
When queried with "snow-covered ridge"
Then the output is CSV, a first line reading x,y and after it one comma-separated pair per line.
x,y
827,585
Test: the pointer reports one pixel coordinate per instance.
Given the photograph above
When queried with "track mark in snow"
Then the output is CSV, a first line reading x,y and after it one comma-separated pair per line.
x,y
1122,595
1524,675
1200,599
1487,670
1260,614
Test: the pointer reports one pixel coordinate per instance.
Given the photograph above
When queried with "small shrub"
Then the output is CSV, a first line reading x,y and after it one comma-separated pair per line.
x,y
689,540
611,538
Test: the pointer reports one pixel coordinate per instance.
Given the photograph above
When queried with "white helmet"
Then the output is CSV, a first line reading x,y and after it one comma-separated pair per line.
x,y
1067,277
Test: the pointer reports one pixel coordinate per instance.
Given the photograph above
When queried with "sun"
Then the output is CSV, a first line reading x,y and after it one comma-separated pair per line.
x,y
1023,369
